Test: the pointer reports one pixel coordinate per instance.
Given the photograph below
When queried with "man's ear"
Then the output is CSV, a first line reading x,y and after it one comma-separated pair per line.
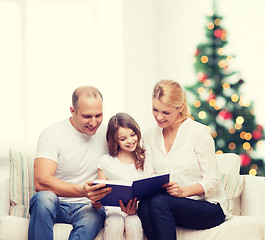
x,y
72,110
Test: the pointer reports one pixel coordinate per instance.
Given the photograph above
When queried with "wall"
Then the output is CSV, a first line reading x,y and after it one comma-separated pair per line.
x,y
123,47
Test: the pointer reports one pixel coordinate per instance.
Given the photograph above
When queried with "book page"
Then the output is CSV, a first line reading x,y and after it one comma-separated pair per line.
x,y
114,182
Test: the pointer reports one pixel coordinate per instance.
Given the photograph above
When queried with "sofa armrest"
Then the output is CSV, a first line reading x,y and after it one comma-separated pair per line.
x,y
253,197
4,196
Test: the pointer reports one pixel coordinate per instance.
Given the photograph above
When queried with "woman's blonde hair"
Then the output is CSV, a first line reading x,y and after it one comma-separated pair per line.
x,y
124,120
170,92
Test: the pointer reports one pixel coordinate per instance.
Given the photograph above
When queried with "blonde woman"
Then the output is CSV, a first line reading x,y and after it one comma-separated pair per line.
x,y
185,149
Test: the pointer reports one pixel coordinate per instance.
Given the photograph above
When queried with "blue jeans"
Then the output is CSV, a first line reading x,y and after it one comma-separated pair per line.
x,y
162,213
46,210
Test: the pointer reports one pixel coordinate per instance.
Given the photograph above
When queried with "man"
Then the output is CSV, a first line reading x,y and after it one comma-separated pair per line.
x,y
64,168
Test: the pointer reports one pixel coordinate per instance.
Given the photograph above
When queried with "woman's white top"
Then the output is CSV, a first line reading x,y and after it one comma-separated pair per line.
x,y
190,160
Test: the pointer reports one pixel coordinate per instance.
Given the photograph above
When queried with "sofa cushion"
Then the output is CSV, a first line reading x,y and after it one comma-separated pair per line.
x,y
239,227
9,223
233,186
21,182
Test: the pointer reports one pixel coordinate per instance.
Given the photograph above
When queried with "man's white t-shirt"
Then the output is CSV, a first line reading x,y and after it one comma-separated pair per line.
x,y
75,153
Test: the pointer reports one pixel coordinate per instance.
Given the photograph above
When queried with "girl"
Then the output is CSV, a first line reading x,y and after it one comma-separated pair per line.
x,y
185,149
125,161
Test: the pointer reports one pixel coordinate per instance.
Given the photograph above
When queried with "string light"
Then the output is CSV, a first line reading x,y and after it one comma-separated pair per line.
x,y
207,83
232,130
250,150
210,26
226,86
242,135
212,102
252,172
240,120
248,136
222,64
217,21
201,90
246,146
229,58
232,146
223,37
214,134
234,98
197,104
220,51
204,59
238,126
219,152
216,107
202,115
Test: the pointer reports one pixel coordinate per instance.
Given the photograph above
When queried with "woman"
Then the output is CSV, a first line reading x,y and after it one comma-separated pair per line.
x,y
185,149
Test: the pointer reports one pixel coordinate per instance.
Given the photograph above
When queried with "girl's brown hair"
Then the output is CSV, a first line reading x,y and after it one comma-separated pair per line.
x,y
169,92
126,121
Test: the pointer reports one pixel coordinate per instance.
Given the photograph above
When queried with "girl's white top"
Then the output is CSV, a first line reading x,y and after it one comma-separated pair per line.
x,y
116,170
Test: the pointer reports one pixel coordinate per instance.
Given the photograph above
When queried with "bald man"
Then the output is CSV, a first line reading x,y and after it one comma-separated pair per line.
x,y
64,168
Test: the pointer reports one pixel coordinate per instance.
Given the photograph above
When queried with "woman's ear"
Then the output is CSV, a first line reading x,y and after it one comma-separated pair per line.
x,y
181,108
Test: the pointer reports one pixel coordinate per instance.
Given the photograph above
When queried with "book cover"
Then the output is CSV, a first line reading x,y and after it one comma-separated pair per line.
x,y
126,190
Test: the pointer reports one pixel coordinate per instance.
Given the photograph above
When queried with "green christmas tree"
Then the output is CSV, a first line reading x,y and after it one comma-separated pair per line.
x,y
216,100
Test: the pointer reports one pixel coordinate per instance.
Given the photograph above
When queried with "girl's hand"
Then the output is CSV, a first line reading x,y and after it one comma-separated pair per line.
x,y
131,207
174,189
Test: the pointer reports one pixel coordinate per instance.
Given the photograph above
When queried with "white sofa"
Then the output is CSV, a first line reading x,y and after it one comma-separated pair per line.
x,y
246,197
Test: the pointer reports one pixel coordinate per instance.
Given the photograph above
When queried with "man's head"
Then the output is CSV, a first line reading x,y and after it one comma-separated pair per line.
x,y
86,110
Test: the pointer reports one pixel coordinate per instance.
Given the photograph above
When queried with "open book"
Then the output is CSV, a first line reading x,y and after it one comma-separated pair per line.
x,y
126,190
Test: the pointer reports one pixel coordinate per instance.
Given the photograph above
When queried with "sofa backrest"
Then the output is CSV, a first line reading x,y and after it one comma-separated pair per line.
x,y
228,163
21,186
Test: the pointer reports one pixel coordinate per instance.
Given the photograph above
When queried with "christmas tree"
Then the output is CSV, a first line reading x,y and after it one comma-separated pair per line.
x,y
216,100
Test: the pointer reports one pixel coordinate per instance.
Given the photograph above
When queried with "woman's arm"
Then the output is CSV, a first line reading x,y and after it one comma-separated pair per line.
x,y
205,152
175,190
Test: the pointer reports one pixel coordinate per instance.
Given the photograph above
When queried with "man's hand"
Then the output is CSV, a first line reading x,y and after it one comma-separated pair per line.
x,y
95,192
131,207
174,189
96,205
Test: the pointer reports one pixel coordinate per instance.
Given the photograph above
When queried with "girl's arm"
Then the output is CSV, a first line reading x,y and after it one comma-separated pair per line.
x,y
101,175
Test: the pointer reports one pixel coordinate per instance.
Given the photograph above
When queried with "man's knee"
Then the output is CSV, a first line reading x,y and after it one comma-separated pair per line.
x,y
88,216
44,200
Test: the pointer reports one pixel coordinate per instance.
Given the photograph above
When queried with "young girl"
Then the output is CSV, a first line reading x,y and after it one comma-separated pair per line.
x,y
125,161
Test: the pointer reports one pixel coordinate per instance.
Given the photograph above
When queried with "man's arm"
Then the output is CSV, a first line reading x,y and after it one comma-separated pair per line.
x,y
44,180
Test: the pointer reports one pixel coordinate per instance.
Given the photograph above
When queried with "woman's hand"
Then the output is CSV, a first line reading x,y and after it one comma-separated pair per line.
x,y
174,189
131,207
